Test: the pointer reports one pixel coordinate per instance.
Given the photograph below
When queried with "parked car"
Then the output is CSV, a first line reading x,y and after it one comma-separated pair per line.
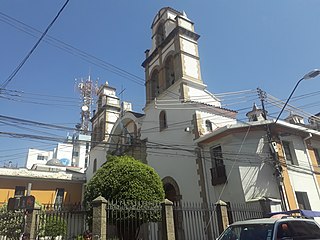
x,y
272,229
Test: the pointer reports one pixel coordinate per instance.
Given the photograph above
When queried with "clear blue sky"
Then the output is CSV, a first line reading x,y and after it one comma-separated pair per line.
x,y
243,45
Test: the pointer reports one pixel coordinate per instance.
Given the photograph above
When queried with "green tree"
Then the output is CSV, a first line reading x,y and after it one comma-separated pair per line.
x,y
124,178
52,225
12,223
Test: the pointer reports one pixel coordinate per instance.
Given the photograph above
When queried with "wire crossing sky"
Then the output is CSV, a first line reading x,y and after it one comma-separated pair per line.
x,y
243,45
14,73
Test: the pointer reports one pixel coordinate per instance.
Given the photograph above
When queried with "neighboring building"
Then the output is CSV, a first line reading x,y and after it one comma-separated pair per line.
x,y
51,185
36,156
243,164
74,152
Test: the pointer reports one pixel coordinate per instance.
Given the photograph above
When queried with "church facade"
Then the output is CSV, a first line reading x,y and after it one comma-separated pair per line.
x,y
199,149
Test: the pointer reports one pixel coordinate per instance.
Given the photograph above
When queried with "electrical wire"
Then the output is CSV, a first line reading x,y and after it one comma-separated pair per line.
x,y
14,73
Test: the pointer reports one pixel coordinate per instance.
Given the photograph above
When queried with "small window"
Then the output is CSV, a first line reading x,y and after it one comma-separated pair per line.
x,y
208,126
169,71
59,196
163,120
216,156
287,152
218,170
19,191
154,87
303,200
160,34
41,157
76,154
94,165
86,161
87,147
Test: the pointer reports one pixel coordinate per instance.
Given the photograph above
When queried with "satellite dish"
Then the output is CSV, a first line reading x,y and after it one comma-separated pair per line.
x,y
84,108
65,161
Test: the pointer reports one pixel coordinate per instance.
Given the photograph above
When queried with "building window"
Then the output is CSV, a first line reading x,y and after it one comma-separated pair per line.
x,y
94,165
163,120
169,71
208,126
41,157
154,87
160,34
19,191
303,201
317,153
218,170
59,196
287,152
101,132
76,154
94,136
86,161
87,147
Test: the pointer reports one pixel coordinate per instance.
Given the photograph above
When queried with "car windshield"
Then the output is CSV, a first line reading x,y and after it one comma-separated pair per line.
x,y
248,232
298,230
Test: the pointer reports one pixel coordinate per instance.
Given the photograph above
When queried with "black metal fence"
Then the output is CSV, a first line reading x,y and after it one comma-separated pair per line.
x,y
133,220
64,222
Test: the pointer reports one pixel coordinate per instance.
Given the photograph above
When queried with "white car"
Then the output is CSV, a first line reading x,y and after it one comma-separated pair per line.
x,y
272,229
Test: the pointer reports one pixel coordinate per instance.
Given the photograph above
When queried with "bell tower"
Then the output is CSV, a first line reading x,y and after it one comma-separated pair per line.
x,y
172,64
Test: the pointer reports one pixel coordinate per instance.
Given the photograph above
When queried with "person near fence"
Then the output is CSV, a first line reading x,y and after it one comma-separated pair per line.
x,y
87,235
25,236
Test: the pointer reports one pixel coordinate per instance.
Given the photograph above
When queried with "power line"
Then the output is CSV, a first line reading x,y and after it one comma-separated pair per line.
x,y
73,50
9,79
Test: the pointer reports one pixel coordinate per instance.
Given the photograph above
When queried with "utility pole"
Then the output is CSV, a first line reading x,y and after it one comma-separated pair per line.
x,y
276,163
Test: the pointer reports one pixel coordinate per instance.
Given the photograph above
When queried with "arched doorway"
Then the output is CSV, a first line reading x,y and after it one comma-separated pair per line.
x,y
172,193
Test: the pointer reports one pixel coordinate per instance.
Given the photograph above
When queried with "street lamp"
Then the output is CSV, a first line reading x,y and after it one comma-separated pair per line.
x,y
309,75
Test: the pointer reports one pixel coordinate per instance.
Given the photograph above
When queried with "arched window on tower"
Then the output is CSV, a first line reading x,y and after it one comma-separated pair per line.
x,y
169,70
160,34
154,84
163,120
99,102
94,136
94,168
101,132
208,126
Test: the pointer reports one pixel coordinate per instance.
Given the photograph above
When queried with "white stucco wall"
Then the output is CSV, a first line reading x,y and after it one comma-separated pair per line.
x,y
64,150
249,170
178,164
300,173
99,152
33,155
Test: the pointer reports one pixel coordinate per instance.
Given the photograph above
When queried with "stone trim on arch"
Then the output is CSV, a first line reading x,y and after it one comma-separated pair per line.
x,y
169,181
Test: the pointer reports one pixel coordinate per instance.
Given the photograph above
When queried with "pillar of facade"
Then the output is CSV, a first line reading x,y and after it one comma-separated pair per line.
x,y
99,218
30,222
168,221
222,215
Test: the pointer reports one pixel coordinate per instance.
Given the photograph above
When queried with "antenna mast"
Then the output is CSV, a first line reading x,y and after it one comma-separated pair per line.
x,y
88,91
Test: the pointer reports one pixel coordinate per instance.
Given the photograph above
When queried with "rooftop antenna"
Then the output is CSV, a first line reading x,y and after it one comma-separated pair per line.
x,y
87,89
